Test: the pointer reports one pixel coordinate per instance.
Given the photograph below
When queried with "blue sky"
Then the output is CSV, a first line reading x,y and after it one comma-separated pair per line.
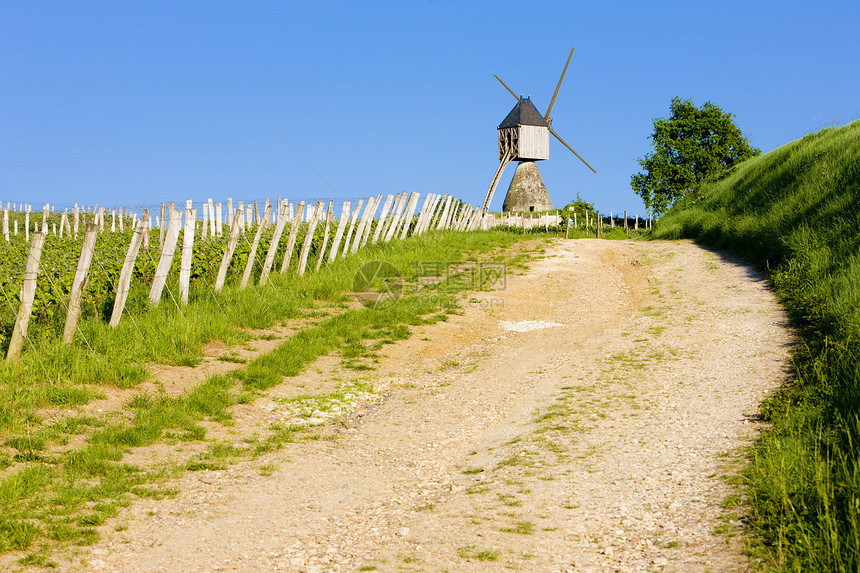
x,y
137,103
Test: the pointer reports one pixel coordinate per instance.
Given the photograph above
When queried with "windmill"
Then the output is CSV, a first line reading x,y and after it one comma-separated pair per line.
x,y
524,137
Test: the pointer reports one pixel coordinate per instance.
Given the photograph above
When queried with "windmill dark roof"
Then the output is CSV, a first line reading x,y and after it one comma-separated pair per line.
x,y
524,113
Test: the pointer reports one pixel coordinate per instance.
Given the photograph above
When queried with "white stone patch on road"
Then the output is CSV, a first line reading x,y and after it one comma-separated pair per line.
x,y
527,325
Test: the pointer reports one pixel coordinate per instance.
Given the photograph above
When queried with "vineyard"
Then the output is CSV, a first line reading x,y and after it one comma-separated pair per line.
x,y
289,234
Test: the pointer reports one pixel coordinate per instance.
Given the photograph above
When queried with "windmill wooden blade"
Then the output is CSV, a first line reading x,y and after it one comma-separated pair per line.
x,y
563,142
558,87
513,93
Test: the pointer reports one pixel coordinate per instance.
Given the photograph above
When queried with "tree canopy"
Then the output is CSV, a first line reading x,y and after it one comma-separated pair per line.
x,y
690,146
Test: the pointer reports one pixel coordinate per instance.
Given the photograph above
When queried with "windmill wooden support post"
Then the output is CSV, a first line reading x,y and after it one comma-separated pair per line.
x,y
505,159
28,294
124,284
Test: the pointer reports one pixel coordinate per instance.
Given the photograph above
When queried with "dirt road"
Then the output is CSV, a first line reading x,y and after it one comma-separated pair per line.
x,y
582,418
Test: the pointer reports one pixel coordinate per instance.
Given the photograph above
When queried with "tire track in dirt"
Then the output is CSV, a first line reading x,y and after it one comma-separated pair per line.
x,y
595,441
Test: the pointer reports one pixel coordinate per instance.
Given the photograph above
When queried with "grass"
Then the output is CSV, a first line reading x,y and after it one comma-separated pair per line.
x,y
794,212
53,493
521,527
470,552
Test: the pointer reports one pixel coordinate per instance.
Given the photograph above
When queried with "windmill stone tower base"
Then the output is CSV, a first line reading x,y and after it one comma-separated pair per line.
x,y
527,191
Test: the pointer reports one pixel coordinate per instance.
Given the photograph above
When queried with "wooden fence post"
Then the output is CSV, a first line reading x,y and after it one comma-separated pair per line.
x,y
79,283
366,235
395,220
341,225
410,212
294,232
402,217
28,293
228,253
261,226
309,237
162,228
371,207
187,252
419,226
146,229
212,228
168,251
351,227
273,246
441,223
124,284
328,218
438,210
391,216
385,208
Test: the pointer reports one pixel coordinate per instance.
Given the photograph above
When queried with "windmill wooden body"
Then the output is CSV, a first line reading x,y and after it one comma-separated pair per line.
x,y
524,137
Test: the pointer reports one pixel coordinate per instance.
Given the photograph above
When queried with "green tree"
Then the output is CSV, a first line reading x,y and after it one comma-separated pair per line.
x,y
690,146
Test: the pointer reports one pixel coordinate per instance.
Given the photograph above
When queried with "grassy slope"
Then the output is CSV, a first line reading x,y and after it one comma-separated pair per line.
x,y
796,212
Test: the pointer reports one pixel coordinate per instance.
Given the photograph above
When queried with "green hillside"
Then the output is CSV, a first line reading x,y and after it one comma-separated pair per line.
x,y
796,212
